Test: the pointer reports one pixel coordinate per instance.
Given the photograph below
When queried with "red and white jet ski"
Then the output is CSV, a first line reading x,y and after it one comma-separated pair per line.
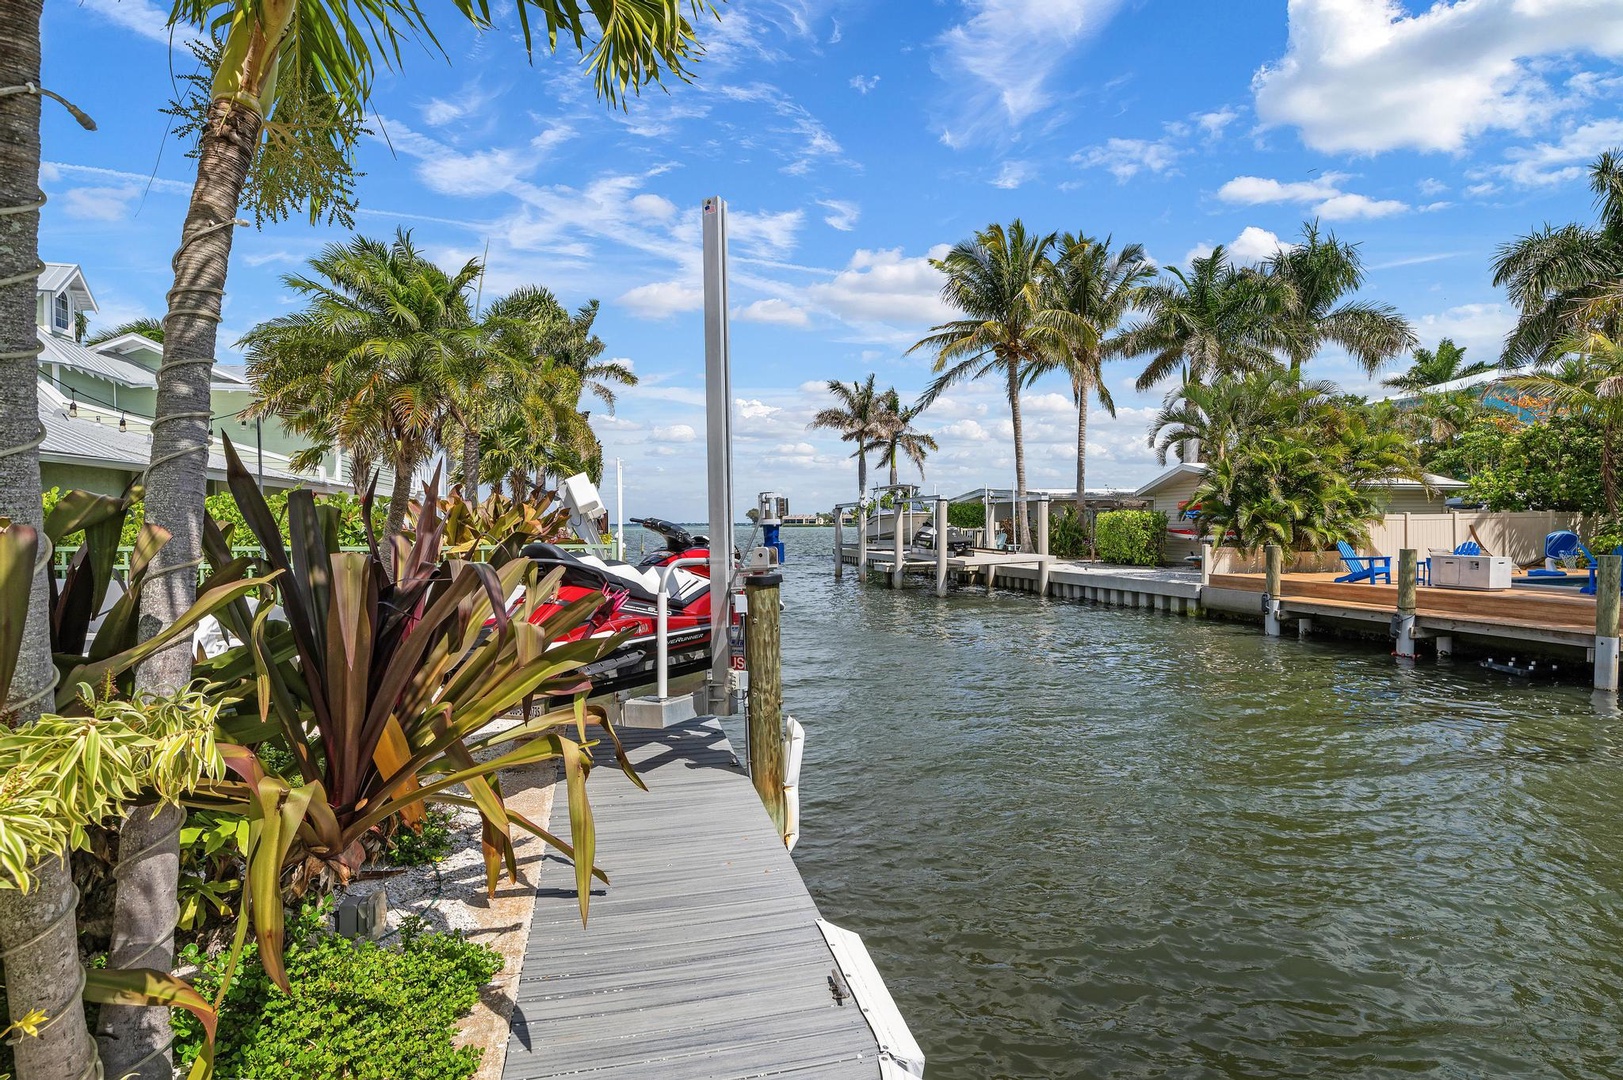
x,y
632,593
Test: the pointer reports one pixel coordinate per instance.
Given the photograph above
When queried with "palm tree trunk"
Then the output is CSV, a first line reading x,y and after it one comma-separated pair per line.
x,y
1608,467
134,1039
470,462
1081,387
893,466
399,497
1022,527
862,475
42,972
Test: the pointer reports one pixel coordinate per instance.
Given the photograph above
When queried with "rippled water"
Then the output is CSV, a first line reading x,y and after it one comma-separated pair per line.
x,y
1098,843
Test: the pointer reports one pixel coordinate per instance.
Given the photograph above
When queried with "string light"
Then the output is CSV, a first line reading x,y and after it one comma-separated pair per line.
x,y
73,406
123,423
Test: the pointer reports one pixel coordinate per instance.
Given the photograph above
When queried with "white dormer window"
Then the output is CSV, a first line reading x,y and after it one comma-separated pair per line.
x,y
64,314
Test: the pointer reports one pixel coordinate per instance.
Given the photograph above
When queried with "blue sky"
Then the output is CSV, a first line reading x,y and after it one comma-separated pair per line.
x,y
851,140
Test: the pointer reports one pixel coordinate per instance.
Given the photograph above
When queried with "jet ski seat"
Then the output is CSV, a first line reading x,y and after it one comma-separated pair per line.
x,y
643,584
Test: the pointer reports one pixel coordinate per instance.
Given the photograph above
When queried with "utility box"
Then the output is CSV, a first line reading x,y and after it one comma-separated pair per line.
x,y
363,916
1484,572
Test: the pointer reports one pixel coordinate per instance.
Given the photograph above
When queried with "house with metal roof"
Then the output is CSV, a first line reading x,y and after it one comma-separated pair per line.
x,y
97,403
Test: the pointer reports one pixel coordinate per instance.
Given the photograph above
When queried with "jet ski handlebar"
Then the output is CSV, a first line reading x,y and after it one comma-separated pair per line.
x,y
676,537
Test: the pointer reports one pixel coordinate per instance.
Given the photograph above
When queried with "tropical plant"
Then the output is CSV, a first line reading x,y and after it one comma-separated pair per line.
x,y
1313,276
1211,421
1304,486
1553,464
497,528
1130,537
383,685
996,281
898,437
1433,367
147,327
1214,320
528,415
1068,535
63,775
858,419
368,364
1590,382
1566,280
1090,292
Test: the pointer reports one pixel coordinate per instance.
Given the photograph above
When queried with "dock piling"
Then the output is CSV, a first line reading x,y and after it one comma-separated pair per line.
x,y
1044,504
941,545
898,540
1274,563
1608,581
763,656
862,542
1408,583
839,542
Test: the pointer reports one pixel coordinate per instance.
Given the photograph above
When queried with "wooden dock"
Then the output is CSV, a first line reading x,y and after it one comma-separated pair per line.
x,y
1520,614
703,958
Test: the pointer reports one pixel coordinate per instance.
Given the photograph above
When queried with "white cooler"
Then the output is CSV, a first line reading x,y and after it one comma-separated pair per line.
x,y
1450,571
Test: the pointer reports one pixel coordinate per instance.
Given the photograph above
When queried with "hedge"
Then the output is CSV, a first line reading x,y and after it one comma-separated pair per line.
x,y
966,515
1130,537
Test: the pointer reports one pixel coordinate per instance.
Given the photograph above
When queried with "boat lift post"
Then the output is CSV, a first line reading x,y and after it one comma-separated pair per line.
x,y
718,391
941,545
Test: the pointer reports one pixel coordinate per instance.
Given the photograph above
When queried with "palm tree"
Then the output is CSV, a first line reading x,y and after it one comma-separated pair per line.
x,y
996,280
38,932
898,437
1590,381
1090,292
1213,320
1433,367
857,418
1314,276
364,366
1220,415
1567,279
531,406
297,76
147,327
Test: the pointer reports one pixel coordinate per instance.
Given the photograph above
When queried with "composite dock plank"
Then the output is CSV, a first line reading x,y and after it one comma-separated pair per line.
x,y
702,958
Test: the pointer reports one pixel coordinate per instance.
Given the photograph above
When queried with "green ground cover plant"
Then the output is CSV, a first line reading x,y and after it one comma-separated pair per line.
x,y
355,1010
428,843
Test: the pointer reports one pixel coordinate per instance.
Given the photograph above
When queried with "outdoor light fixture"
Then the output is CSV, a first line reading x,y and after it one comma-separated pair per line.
x,y
123,423
73,406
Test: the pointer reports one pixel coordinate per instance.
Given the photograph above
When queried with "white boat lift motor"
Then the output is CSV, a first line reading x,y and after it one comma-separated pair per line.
x,y
585,505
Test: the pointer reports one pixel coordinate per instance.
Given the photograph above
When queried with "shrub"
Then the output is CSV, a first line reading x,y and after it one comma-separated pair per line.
x,y
966,515
429,843
1131,537
1068,535
357,1010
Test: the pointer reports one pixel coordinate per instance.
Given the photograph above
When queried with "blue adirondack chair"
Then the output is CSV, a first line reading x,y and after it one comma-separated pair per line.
x,y
1370,568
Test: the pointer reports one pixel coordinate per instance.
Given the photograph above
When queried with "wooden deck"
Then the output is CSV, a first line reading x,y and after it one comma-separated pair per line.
x,y
702,958
1518,614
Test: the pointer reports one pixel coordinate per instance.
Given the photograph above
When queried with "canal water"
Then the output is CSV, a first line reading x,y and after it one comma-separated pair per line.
x,y
1086,842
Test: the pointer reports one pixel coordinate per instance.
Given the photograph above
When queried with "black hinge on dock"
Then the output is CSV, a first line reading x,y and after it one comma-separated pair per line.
x,y
837,987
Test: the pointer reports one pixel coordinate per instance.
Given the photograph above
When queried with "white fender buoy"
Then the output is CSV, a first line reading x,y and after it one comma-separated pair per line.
x,y
794,749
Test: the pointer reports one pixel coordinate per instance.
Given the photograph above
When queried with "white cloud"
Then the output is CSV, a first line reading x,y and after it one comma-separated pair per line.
x,y
1364,76
101,203
56,170
662,299
144,18
679,433
1012,175
1126,158
1324,196
1481,328
863,84
886,287
775,312
1213,123
1253,245
965,429
841,215
1563,160
1431,186
1010,50
470,100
